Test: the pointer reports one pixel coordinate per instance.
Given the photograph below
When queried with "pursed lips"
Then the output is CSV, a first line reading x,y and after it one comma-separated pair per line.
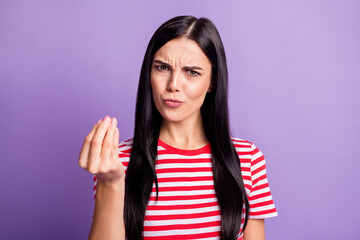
x,y
173,103
173,100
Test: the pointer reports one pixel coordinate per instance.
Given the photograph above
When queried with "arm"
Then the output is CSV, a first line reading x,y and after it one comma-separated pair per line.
x,y
255,230
99,156
108,220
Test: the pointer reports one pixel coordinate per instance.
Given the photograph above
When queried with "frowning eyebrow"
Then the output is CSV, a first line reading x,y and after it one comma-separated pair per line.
x,y
169,66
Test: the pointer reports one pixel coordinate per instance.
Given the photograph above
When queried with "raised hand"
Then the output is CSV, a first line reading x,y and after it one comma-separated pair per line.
x,y
99,153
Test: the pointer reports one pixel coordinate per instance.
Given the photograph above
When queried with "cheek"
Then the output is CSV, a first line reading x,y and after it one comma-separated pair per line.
x,y
157,82
154,86
199,90
156,89
156,92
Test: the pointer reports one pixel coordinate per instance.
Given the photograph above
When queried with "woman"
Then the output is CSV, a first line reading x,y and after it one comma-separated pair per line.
x,y
182,176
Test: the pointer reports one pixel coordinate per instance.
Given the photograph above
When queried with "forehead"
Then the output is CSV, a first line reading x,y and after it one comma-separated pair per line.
x,y
182,51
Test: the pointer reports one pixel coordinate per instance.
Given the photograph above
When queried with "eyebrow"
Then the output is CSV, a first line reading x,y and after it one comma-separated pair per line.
x,y
186,67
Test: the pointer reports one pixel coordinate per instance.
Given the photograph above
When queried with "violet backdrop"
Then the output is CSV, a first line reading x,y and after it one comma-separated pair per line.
x,y
294,75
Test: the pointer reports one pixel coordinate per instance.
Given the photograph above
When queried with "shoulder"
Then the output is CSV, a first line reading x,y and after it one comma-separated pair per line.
x,y
242,145
239,142
246,149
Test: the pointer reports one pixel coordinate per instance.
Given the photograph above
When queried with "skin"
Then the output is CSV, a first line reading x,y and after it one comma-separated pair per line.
x,y
255,230
99,156
181,71
172,77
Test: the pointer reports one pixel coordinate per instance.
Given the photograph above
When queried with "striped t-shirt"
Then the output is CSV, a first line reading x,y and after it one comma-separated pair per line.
x,y
187,206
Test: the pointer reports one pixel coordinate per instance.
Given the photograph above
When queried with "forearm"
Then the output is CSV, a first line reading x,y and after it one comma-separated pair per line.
x,y
108,222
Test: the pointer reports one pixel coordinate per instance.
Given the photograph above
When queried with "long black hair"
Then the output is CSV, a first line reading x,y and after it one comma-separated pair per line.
x,y
140,175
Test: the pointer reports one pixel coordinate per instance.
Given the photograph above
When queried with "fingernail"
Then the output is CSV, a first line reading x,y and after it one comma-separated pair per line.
x,y
116,129
113,121
107,119
99,121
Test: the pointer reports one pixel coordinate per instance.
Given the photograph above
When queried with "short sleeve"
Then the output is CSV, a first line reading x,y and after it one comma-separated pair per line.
x,y
260,197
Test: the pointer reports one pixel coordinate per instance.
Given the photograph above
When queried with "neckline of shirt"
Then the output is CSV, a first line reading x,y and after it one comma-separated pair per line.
x,y
204,149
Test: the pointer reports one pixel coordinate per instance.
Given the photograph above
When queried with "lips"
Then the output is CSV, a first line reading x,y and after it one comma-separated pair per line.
x,y
173,103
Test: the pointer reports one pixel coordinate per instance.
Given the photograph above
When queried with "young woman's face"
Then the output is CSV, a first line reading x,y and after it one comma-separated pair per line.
x,y
180,79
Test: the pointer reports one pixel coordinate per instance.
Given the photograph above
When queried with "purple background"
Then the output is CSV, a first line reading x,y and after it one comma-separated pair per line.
x,y
294,82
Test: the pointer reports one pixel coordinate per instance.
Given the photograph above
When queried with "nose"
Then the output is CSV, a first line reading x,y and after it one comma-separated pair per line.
x,y
174,80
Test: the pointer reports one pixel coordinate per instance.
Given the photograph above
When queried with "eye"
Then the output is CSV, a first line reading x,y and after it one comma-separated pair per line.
x,y
193,73
162,67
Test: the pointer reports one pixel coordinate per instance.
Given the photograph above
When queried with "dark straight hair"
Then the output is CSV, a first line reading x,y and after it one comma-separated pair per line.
x,y
140,175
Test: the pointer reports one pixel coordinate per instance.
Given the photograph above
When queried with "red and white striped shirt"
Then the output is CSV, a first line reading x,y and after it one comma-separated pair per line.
x,y
187,206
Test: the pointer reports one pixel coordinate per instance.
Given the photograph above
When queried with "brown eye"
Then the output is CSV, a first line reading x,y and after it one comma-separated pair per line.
x,y
162,67
193,73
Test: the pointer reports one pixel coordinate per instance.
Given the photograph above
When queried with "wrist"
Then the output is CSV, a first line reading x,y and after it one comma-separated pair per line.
x,y
115,185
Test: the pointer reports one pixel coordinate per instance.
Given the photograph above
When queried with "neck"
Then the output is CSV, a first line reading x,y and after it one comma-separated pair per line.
x,y
186,134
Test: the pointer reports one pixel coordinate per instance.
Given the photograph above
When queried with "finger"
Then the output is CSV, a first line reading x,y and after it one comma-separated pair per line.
x,y
97,142
108,141
84,153
115,151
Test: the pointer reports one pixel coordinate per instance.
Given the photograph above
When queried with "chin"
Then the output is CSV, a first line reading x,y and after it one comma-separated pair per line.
x,y
178,116
172,116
